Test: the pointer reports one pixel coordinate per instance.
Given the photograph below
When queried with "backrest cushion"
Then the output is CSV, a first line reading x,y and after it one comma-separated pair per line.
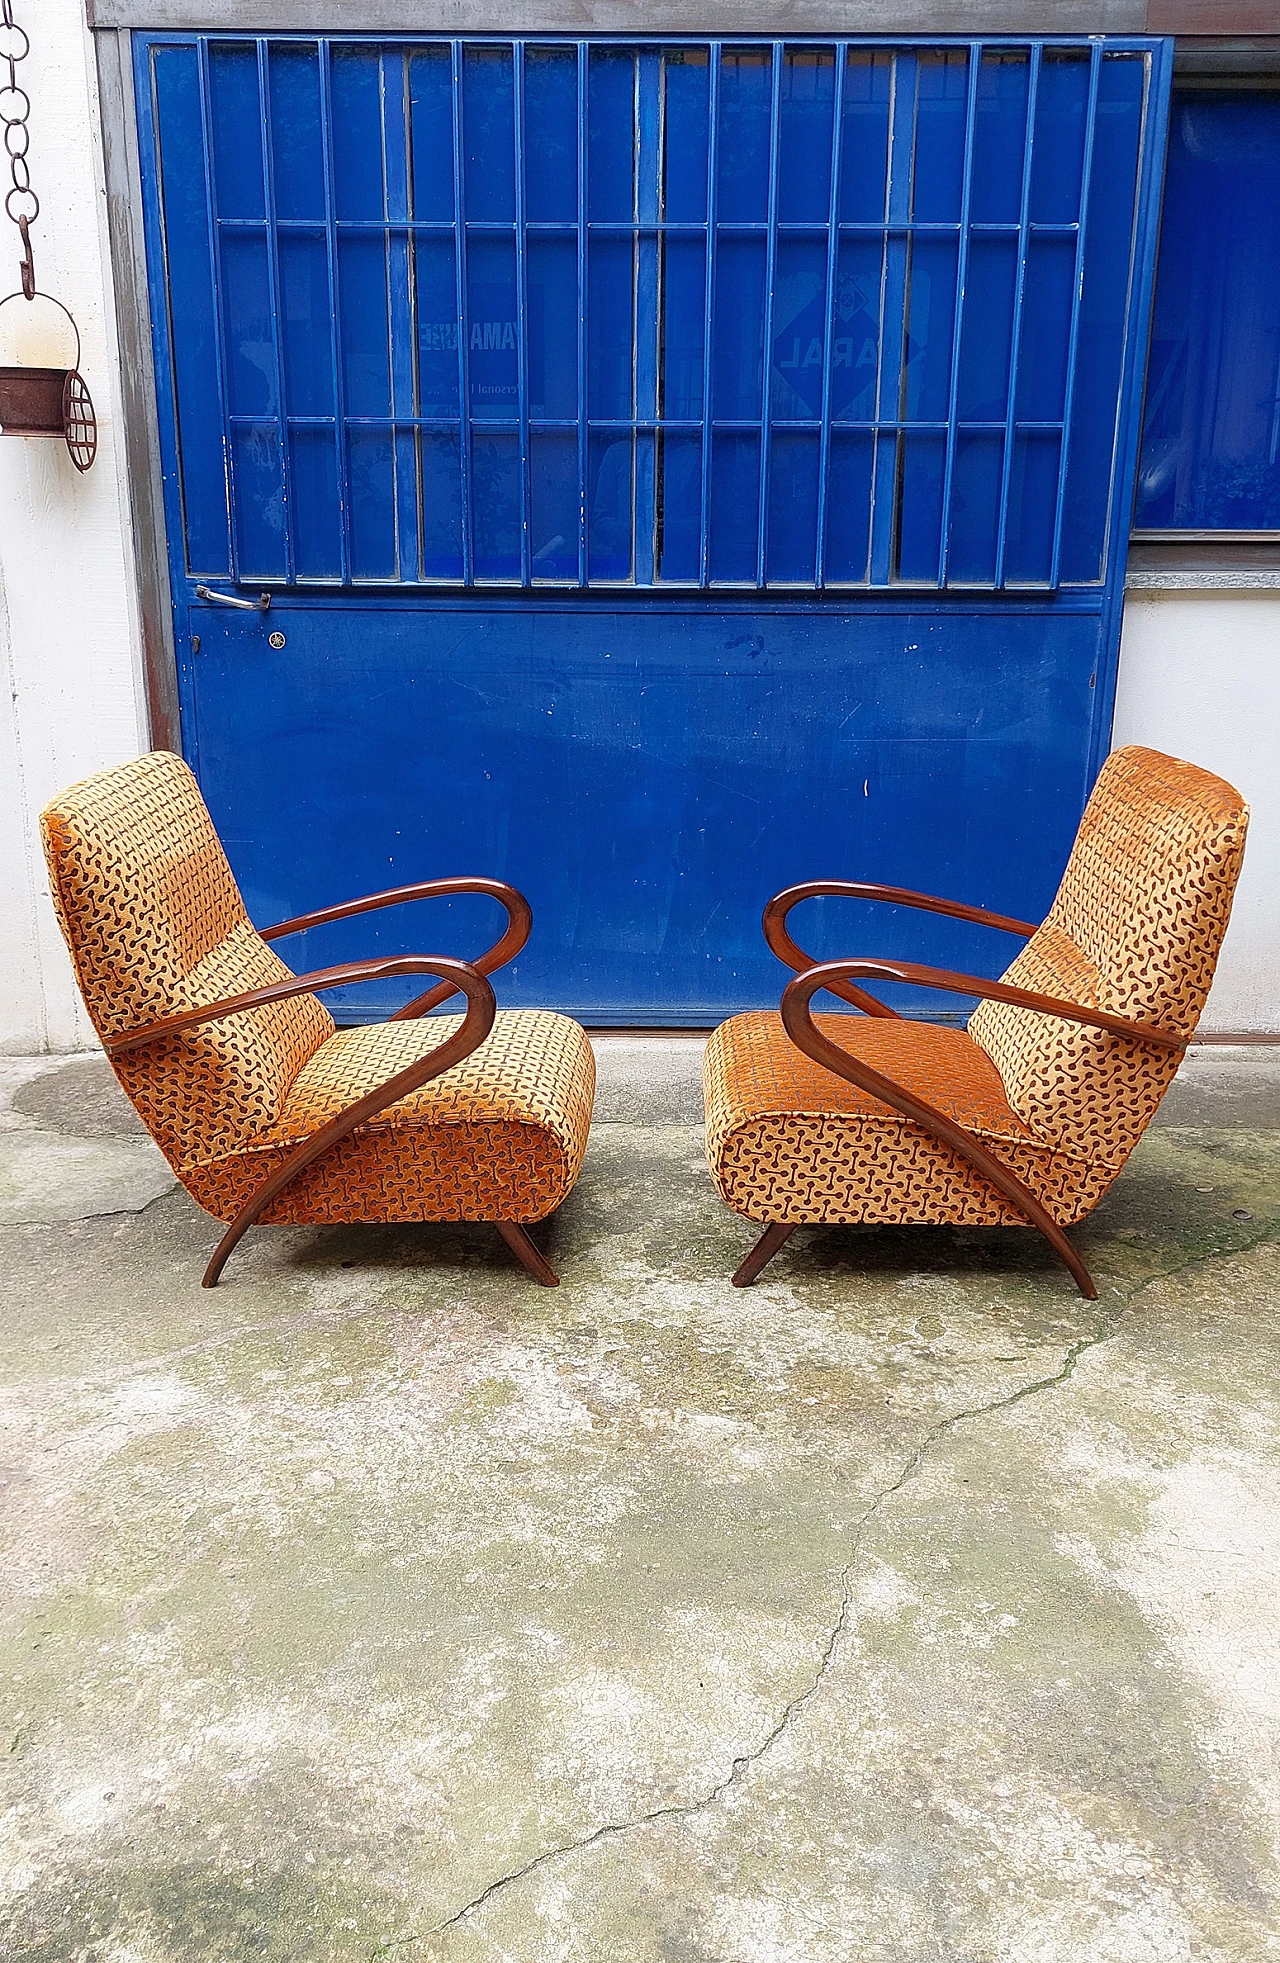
x,y
154,921
1135,929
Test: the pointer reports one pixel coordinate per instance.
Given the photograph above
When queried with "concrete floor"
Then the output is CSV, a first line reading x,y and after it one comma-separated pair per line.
x,y
382,1604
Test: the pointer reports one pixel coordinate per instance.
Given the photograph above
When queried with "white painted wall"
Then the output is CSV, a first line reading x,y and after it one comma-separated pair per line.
x,y
1200,678
70,664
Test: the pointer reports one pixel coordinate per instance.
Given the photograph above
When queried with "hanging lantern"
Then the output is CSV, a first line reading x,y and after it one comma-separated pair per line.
x,y
35,401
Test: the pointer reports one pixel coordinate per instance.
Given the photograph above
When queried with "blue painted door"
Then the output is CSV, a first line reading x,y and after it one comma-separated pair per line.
x,y
677,469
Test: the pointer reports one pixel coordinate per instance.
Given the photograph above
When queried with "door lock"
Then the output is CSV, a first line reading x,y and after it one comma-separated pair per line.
x,y
261,605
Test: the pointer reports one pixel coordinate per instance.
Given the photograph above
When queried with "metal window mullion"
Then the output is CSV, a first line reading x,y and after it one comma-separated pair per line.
x,y
460,278
583,103
1015,345
833,262
273,275
708,318
522,319
957,337
331,254
215,273
1086,178
770,275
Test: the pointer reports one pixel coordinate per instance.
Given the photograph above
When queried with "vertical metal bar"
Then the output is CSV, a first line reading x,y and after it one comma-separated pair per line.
x,y
1086,177
833,264
215,273
460,274
708,312
583,100
324,57
273,277
1015,344
770,276
957,336
522,318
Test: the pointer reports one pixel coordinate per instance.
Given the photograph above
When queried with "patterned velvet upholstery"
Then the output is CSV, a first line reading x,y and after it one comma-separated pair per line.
x,y
1135,930
155,924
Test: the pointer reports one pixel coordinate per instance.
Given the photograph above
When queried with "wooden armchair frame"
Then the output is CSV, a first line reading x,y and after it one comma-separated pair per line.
x,y
838,977
468,978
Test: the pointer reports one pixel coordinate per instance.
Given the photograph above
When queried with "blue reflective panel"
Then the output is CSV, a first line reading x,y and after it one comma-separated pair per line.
x,y
610,366
611,112
197,385
855,344
1033,501
372,477
793,507
431,135
362,287
1103,302
942,86
739,315
683,328
553,486
849,478
315,523
804,163
864,143
235,118
1057,158
258,500
1046,328
735,505
441,504
493,357
999,138
1211,440
610,505
930,328
552,315
986,337
680,506
685,145
495,504
551,135
488,133
975,508
921,477
799,328
437,295
742,188
246,301
297,153
356,133
306,323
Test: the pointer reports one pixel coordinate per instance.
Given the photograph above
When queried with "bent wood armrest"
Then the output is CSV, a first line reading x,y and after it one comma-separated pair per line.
x,y
519,922
339,977
781,943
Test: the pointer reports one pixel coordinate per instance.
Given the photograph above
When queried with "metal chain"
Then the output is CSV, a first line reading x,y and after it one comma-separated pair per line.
x,y
20,202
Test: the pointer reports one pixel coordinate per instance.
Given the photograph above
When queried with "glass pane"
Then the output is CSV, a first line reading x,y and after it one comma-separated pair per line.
x,y
315,523
1033,500
356,133
611,137
1046,328
550,135
297,157
739,328
683,323
553,484
235,116
849,472
437,327
792,539
986,337
610,502
735,505
1062,101
922,464
930,328
745,108
804,162
431,126
259,501
495,504
372,503
856,329
362,289
684,166
999,134
975,508
441,505
610,368
493,359
679,506
941,96
864,144
306,323
246,303
488,133
552,314
1211,440
800,325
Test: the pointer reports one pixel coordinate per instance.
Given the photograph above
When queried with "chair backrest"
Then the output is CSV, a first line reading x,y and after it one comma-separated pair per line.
x,y
1135,929
155,923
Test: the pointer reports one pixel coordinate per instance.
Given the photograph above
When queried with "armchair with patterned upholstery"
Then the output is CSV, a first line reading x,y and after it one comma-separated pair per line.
x,y
263,1107
1026,1116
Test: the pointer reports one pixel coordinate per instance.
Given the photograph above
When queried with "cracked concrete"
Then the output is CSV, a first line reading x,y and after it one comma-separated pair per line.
x,y
904,1607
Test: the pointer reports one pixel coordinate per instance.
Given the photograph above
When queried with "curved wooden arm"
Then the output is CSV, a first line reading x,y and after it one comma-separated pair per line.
x,y
256,998
781,943
475,1026
917,976
519,922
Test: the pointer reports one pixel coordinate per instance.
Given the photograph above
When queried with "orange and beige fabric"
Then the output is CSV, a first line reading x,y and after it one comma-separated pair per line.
x,y
1135,931
156,926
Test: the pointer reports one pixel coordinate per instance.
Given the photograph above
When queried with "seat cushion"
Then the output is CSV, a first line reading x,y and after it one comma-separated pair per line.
x,y
500,1136
790,1141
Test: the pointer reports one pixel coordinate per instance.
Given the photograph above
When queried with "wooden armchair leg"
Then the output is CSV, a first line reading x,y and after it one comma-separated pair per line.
x,y
762,1253
527,1254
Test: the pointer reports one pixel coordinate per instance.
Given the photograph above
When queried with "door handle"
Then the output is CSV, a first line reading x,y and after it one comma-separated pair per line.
x,y
261,605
